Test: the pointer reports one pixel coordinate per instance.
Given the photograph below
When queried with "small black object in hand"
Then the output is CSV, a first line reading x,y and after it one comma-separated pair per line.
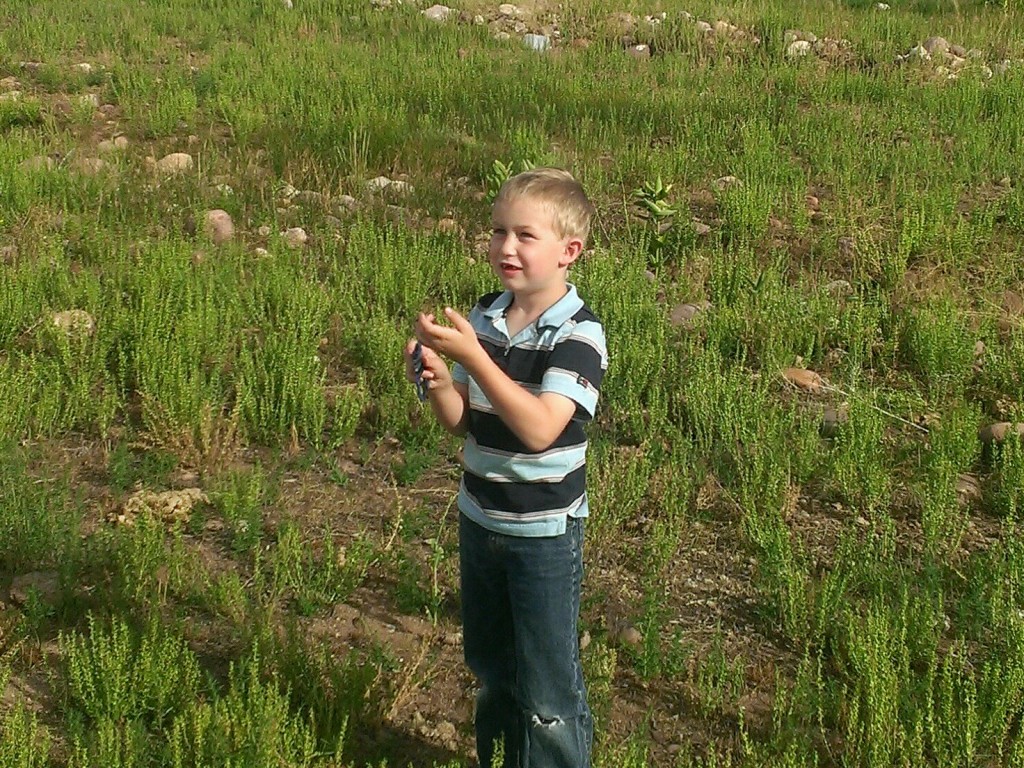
x,y
417,366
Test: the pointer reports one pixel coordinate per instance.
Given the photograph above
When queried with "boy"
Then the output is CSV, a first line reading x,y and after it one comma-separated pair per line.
x,y
528,365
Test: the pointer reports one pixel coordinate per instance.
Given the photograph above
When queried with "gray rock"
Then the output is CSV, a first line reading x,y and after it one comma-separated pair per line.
x,y
936,46
537,42
438,12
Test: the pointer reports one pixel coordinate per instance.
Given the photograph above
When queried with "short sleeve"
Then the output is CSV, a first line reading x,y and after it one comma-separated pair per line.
x,y
576,367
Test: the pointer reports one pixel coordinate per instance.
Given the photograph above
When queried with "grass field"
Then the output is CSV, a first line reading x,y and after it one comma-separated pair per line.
x,y
227,533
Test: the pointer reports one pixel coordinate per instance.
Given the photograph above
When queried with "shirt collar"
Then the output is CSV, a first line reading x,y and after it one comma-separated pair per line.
x,y
554,316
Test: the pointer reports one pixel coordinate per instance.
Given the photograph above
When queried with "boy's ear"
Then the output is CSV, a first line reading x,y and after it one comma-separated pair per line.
x,y
573,248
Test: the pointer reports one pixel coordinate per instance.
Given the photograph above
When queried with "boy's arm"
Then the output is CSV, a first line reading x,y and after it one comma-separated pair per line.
x,y
537,420
451,406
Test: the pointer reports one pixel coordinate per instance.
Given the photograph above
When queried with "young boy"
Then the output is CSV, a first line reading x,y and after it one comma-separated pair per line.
x,y
528,365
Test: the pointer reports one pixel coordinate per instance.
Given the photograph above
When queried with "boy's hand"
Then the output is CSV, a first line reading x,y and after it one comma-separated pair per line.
x,y
458,341
435,373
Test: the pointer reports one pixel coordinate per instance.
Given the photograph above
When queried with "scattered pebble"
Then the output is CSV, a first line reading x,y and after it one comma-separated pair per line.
x,y
295,237
809,381
537,42
640,51
726,182
997,433
75,322
838,288
38,163
219,226
701,229
44,585
832,419
175,162
683,315
437,12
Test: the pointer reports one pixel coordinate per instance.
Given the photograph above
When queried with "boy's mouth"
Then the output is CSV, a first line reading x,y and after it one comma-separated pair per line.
x,y
510,268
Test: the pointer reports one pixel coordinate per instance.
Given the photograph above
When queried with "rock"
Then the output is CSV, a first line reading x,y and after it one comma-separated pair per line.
x,y
726,182
997,433
44,584
838,288
882,6
968,488
437,12
701,229
260,253
703,26
169,506
798,48
621,23
287,4
264,231
8,254
88,166
958,50
813,203
1013,303
832,419
936,46
295,237
219,227
507,9
629,635
683,315
346,201
792,35
449,226
919,52
979,348
846,247
639,51
38,163
9,84
109,146
378,184
89,100
309,198
175,162
537,42
74,322
809,381
584,641
10,97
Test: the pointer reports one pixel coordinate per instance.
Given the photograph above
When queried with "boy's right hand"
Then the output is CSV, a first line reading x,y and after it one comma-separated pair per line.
x,y
435,371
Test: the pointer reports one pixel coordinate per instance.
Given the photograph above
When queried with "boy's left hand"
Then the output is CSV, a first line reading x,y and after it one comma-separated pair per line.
x,y
457,341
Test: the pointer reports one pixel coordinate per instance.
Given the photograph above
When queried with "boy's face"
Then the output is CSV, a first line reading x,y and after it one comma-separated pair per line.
x,y
526,253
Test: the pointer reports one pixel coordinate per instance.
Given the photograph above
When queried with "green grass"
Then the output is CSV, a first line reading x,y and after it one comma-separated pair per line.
x,y
890,602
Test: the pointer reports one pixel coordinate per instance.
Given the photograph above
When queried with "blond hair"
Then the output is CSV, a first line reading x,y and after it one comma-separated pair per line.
x,y
559,192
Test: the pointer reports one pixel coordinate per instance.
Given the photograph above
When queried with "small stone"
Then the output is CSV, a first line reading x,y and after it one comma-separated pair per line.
x,y
813,203
629,635
175,162
378,184
968,487
1013,303
703,26
724,28
38,163
701,229
8,254
726,182
936,46
882,6
437,12
450,227
264,231
996,433
809,381
537,42
683,315
74,322
817,217
639,51
846,247
10,97
584,641
838,288
507,9
979,348
219,226
88,166
84,67
45,585
9,84
479,20
295,237
798,48
832,419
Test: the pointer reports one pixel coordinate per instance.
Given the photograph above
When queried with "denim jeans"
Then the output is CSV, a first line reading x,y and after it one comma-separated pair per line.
x,y
520,604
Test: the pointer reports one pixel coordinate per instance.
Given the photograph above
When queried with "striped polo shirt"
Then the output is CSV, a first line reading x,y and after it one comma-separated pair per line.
x,y
506,487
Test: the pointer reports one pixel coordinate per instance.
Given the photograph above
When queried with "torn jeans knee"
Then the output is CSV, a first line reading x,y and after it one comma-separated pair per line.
x,y
545,722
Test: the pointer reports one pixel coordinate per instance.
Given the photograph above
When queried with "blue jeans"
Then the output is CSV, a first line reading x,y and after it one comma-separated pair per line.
x,y
520,604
